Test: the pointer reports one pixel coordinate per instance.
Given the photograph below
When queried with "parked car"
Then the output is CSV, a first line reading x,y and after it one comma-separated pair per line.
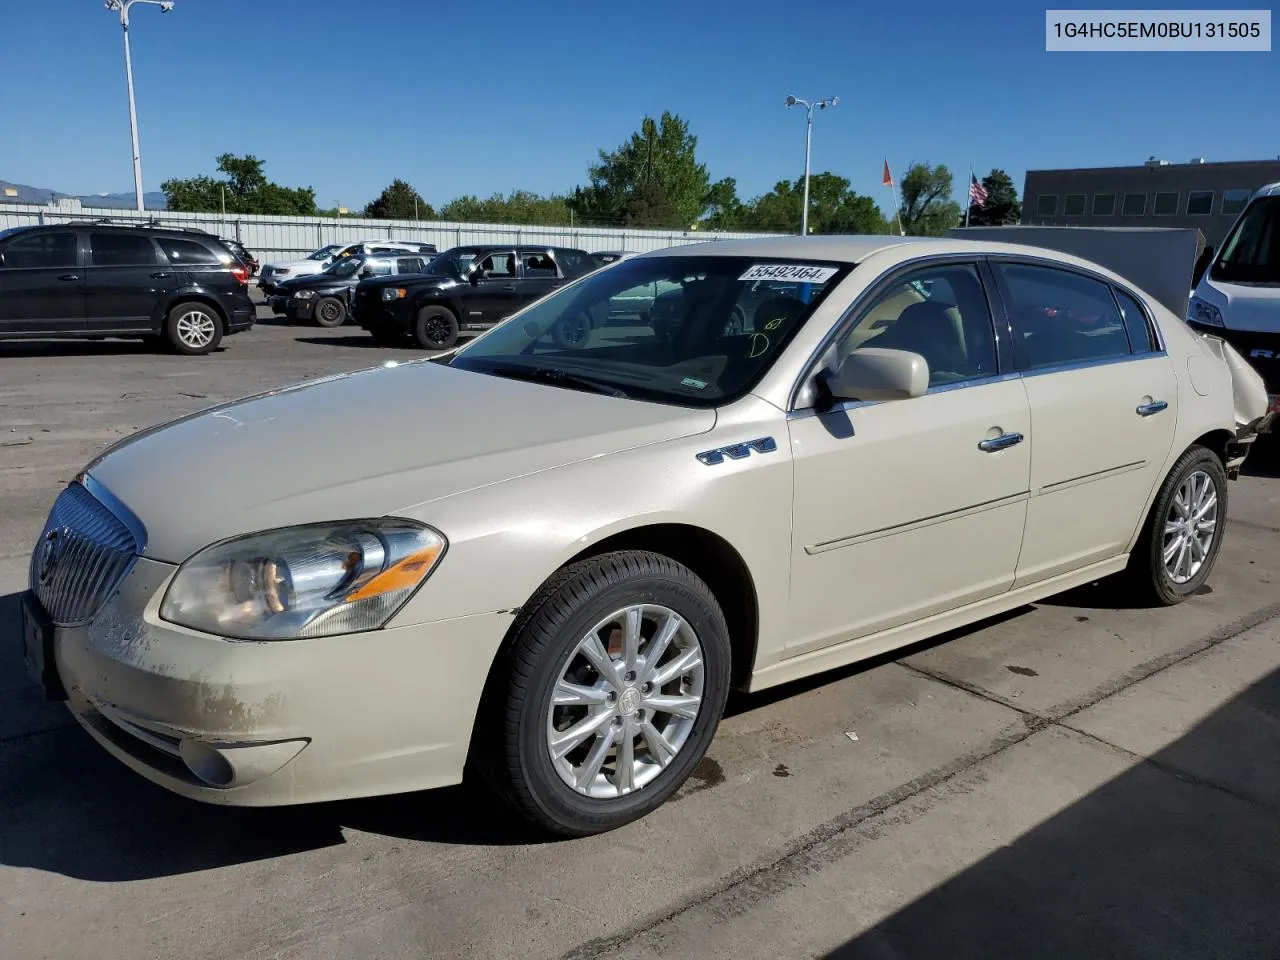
x,y
325,298
1237,289
243,255
165,285
275,273
465,288
571,555
606,257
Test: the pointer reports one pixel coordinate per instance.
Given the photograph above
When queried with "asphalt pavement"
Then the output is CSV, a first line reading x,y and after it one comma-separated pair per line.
x,y
1079,778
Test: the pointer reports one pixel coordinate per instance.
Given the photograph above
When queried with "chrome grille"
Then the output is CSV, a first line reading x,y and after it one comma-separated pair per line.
x,y
83,553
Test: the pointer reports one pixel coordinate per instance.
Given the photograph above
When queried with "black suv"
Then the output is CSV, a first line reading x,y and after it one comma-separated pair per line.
x,y
465,288
324,298
168,286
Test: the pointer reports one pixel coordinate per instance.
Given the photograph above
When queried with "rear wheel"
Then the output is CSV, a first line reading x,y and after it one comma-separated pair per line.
x,y
572,333
193,328
610,695
436,328
330,312
1183,534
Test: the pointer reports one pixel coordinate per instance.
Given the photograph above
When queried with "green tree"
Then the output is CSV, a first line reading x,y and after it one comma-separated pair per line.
x,y
927,207
653,178
834,207
399,201
245,189
1001,207
724,210
518,207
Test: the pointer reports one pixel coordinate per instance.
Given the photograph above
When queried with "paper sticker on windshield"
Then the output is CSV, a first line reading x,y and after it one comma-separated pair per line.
x,y
694,382
796,272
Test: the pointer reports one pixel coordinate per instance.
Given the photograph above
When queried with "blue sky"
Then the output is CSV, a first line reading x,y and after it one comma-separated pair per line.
x,y
344,95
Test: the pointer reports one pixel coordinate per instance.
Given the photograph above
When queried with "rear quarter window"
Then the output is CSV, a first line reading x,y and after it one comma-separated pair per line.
x,y
183,253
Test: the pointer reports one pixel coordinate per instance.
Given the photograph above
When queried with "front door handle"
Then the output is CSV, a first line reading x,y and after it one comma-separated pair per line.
x,y
161,275
508,286
1002,442
1155,406
69,276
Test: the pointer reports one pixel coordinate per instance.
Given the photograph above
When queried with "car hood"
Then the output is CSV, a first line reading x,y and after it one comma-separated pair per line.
x,y
316,281
1245,306
363,444
293,266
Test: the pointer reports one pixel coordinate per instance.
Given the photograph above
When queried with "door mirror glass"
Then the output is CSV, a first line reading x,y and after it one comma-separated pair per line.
x,y
478,274
880,373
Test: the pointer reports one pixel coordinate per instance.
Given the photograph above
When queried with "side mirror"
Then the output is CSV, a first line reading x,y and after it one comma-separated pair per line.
x,y
478,274
879,373
1202,265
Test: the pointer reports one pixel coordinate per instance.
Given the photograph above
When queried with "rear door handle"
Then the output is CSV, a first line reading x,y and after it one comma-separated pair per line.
x,y
1002,442
69,276
509,286
161,275
1155,406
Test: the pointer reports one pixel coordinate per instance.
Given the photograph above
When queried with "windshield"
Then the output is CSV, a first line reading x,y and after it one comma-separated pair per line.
x,y
346,267
689,330
324,253
451,263
1251,253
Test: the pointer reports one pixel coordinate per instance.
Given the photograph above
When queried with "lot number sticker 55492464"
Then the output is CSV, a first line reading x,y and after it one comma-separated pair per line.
x,y
796,272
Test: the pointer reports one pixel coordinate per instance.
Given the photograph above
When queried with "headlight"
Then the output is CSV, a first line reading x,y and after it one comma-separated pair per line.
x,y
394,293
309,581
1200,312
304,294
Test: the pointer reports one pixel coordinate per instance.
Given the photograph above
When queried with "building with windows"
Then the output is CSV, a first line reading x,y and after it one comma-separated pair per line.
x,y
1207,196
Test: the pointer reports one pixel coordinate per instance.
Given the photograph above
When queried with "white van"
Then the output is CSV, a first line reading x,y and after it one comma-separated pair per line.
x,y
1237,289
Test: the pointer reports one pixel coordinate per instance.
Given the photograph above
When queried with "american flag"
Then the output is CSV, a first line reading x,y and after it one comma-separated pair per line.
x,y
977,192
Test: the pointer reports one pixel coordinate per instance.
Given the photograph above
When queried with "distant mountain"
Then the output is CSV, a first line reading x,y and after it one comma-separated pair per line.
x,y
113,201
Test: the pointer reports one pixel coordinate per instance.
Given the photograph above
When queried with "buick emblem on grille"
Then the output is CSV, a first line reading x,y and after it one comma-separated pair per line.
x,y
50,551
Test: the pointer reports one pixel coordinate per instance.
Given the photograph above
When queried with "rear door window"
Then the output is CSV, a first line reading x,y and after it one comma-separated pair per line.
x,y
122,250
1141,337
1061,317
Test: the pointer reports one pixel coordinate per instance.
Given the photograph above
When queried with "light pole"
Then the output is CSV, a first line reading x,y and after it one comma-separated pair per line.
x,y
808,147
122,7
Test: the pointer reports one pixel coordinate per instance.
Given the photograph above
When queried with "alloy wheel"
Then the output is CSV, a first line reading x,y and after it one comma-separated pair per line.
x,y
1190,526
625,701
196,329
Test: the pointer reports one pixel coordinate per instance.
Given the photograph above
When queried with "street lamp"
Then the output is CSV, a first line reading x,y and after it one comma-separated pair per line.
x,y
122,7
808,146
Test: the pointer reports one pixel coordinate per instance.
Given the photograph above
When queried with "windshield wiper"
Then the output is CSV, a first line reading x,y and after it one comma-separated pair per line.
x,y
556,376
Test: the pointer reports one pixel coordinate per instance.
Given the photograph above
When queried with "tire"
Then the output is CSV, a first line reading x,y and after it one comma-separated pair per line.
x,y
518,718
193,328
329,312
572,333
436,328
1198,476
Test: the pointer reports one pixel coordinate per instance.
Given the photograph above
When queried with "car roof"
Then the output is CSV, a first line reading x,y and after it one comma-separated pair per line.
x,y
856,249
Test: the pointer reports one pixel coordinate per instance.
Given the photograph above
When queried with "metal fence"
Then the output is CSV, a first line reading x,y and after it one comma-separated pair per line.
x,y
284,238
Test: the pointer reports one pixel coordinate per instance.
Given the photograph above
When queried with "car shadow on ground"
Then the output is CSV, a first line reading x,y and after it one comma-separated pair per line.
x,y
1178,857
75,348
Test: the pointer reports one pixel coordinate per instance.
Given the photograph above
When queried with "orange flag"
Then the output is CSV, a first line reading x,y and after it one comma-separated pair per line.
x,y
888,177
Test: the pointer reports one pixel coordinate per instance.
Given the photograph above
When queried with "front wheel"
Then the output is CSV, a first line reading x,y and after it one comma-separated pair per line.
x,y
436,328
330,312
610,695
1182,537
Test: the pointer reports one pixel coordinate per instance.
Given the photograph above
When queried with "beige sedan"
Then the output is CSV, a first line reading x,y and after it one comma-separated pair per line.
x,y
549,564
